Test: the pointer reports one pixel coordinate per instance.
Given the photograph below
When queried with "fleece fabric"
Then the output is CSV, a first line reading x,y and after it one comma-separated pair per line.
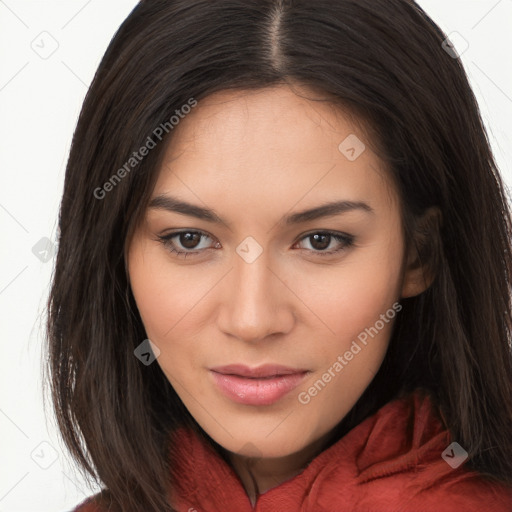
x,y
401,459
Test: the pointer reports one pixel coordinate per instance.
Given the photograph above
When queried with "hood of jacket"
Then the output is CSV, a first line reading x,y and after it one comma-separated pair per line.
x,y
399,459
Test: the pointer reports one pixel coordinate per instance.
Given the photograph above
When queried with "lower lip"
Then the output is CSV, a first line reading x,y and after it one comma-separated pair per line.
x,y
257,391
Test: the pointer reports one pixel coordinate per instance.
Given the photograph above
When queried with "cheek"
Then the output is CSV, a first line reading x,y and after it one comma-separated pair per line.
x,y
164,293
360,312
170,299
349,299
154,304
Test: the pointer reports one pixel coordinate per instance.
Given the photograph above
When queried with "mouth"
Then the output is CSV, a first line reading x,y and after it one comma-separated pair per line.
x,y
263,385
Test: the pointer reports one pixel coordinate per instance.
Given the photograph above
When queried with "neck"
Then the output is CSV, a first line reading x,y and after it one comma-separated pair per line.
x,y
259,474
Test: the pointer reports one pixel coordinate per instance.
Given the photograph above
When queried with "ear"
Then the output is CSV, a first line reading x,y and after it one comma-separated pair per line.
x,y
423,254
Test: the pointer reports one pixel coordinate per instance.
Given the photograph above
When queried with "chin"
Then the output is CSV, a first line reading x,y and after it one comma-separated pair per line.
x,y
263,447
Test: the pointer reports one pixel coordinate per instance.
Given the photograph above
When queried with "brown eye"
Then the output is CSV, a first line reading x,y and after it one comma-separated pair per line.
x,y
321,240
184,243
187,243
189,239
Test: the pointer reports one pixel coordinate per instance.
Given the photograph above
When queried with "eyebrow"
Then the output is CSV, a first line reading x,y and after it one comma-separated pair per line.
x,y
172,204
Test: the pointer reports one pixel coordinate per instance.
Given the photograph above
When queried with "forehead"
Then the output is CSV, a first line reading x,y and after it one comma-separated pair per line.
x,y
270,145
272,116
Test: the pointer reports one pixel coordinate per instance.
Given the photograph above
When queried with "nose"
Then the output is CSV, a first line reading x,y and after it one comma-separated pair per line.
x,y
255,303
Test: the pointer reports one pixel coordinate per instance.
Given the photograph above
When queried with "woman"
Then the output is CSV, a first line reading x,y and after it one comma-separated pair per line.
x,y
283,279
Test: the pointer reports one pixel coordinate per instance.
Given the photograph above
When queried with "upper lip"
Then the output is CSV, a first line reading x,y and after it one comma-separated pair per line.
x,y
266,370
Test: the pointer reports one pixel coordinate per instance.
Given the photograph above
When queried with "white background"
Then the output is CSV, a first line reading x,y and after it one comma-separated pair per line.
x,y
40,99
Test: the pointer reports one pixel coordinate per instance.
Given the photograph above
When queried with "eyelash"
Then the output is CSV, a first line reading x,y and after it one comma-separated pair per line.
x,y
347,240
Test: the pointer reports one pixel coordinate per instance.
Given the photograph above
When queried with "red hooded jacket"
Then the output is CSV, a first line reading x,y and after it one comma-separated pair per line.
x,y
400,459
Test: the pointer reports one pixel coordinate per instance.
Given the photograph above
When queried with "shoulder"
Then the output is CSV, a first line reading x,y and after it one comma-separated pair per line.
x,y
89,505
402,459
464,490
94,503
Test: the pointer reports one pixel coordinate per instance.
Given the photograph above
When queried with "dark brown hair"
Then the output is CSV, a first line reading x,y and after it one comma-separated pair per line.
x,y
382,60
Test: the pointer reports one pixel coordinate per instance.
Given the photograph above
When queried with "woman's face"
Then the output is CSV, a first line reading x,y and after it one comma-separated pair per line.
x,y
256,286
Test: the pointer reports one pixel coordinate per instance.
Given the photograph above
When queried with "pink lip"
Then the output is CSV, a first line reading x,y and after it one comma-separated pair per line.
x,y
257,386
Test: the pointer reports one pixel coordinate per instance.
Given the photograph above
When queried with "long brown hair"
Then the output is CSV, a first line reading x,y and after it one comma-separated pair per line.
x,y
384,61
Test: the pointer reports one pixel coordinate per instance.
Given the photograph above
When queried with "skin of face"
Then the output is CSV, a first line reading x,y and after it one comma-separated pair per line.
x,y
255,157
